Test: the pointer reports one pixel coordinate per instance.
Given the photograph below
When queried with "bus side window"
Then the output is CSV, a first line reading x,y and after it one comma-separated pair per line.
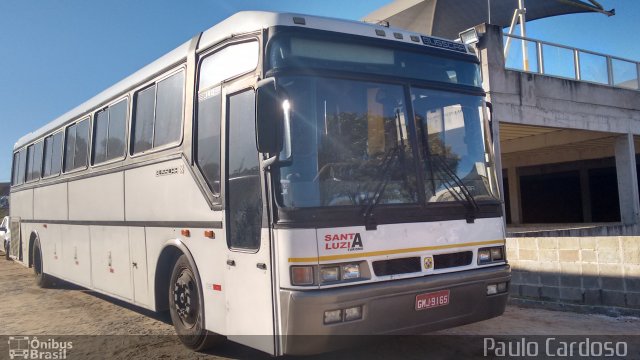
x,y
34,163
208,128
77,146
243,193
22,166
109,132
228,62
16,179
158,114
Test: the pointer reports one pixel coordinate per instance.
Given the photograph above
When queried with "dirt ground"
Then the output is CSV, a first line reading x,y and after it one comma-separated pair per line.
x,y
67,310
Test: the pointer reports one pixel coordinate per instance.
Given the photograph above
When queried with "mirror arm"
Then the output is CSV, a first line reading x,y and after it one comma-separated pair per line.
x,y
266,164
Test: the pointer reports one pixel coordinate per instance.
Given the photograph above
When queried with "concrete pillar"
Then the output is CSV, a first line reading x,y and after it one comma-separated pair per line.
x,y
585,195
497,159
627,179
491,54
514,195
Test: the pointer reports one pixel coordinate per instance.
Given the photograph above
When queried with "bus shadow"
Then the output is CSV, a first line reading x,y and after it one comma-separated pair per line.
x,y
162,316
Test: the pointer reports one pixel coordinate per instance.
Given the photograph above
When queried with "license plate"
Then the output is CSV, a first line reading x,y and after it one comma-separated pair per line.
x,y
431,300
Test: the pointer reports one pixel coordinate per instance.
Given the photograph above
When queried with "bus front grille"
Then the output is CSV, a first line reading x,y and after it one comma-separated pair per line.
x,y
444,261
397,266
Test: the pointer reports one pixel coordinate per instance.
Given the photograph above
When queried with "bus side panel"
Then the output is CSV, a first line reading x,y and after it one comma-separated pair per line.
x,y
22,206
138,247
51,242
76,258
106,194
50,202
164,192
110,266
210,257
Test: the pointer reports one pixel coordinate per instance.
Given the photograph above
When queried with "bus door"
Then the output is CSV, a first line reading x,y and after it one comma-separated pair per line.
x,y
248,277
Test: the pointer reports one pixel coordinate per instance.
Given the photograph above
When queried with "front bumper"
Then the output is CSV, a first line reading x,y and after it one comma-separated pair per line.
x,y
388,308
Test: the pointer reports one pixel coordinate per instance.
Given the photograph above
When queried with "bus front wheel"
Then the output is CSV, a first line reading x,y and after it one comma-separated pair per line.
x,y
186,310
42,280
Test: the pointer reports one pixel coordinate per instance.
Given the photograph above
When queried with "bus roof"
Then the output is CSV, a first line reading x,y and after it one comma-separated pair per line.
x,y
239,23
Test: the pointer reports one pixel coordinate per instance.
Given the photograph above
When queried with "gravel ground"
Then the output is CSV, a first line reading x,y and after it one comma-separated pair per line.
x,y
67,311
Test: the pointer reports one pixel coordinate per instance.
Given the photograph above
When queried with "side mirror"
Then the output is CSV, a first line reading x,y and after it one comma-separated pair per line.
x,y
269,117
3,229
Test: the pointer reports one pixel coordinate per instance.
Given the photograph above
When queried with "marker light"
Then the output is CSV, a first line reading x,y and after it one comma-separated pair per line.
x,y
302,275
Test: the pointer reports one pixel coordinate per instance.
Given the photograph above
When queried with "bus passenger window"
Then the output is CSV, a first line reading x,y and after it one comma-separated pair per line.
x,y
143,120
169,110
52,155
56,155
77,146
14,169
100,133
34,161
117,130
158,114
109,132
82,144
19,162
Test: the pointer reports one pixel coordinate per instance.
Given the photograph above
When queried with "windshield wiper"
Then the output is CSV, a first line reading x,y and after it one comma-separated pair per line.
x,y
388,162
462,190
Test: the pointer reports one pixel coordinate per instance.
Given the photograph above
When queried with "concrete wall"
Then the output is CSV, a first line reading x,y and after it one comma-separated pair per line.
x,y
600,271
542,100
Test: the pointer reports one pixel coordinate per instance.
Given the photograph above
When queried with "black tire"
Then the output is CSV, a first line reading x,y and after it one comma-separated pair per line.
x,y
186,309
6,251
42,280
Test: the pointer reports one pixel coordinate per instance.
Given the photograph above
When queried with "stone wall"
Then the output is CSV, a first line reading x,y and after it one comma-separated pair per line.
x,y
585,270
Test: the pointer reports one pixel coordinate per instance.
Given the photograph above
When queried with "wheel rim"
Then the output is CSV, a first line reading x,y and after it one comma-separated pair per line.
x,y
185,298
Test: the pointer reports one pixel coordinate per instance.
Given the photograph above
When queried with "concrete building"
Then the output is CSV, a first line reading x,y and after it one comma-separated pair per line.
x,y
569,135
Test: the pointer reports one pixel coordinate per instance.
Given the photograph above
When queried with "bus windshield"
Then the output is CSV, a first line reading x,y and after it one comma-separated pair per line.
x,y
350,141
371,56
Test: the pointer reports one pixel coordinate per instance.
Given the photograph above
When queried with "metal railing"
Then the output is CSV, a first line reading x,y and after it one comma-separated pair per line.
x,y
542,57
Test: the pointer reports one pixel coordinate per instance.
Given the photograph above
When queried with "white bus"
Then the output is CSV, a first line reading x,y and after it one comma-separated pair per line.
x,y
276,175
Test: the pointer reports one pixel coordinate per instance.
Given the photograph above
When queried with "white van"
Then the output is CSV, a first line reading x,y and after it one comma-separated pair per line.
x,y
5,235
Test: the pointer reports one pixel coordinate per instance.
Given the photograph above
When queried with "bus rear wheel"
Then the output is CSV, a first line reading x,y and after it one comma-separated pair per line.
x,y
186,309
42,280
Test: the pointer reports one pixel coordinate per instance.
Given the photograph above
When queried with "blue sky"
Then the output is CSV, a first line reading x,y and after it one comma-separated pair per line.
x,y
56,54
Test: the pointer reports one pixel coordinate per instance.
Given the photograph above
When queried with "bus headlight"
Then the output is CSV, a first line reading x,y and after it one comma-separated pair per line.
x,y
484,256
329,274
490,254
496,253
350,271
